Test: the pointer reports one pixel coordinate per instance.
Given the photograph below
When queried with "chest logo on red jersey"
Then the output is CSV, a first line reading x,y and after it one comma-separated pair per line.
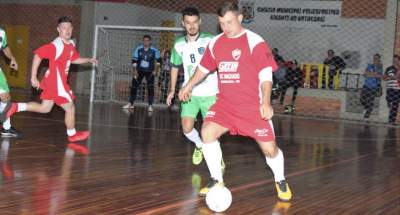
x,y
228,66
236,54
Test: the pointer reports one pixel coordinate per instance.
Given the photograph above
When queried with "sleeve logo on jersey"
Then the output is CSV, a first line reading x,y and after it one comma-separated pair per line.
x,y
236,54
210,114
201,50
261,132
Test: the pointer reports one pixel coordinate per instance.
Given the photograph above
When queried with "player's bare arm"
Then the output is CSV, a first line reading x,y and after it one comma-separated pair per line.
x,y
157,69
184,93
8,53
172,85
35,65
134,70
85,60
266,109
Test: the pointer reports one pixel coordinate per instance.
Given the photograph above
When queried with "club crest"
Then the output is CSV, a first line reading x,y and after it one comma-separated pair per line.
x,y
201,50
236,54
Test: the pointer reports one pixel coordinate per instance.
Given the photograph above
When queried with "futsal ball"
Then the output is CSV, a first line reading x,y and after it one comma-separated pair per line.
x,y
218,198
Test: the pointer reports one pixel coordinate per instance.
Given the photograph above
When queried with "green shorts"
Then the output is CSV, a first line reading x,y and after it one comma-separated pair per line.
x,y
3,83
197,103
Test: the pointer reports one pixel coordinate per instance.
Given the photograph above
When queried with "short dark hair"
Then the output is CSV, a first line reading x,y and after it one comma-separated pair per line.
x,y
396,56
377,55
226,7
190,11
64,19
147,36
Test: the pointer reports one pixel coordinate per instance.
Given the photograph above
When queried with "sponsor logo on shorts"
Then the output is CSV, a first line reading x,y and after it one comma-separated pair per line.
x,y
228,66
210,114
261,132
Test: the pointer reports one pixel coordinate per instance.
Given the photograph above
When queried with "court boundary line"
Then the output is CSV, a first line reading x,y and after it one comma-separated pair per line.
x,y
180,130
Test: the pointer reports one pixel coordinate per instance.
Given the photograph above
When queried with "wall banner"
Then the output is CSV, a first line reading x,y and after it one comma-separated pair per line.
x,y
289,13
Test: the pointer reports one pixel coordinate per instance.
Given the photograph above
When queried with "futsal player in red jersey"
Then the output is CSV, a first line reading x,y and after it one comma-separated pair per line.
x,y
245,64
61,53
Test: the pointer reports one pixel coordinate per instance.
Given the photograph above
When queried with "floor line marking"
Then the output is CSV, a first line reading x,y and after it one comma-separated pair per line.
x,y
254,184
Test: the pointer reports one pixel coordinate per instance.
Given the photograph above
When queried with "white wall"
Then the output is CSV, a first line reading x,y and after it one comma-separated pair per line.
x,y
306,45
310,45
130,14
57,2
85,45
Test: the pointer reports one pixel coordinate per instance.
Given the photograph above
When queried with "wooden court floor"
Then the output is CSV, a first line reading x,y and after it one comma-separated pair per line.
x,y
136,163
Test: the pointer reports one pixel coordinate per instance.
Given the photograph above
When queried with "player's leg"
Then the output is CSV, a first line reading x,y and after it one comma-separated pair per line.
x,y
189,112
73,135
205,103
275,160
395,106
330,81
391,98
370,97
212,152
263,133
133,93
150,89
294,95
284,87
44,107
7,130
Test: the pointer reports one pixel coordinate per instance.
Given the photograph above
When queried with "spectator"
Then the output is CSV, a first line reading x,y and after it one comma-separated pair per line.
x,y
277,57
314,76
293,78
144,59
278,78
372,85
335,64
392,78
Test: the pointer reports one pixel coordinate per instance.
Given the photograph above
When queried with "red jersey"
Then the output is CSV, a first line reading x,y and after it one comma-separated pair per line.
x,y
238,60
60,55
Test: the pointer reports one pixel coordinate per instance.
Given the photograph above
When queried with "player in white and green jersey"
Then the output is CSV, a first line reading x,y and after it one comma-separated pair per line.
x,y
7,130
188,51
